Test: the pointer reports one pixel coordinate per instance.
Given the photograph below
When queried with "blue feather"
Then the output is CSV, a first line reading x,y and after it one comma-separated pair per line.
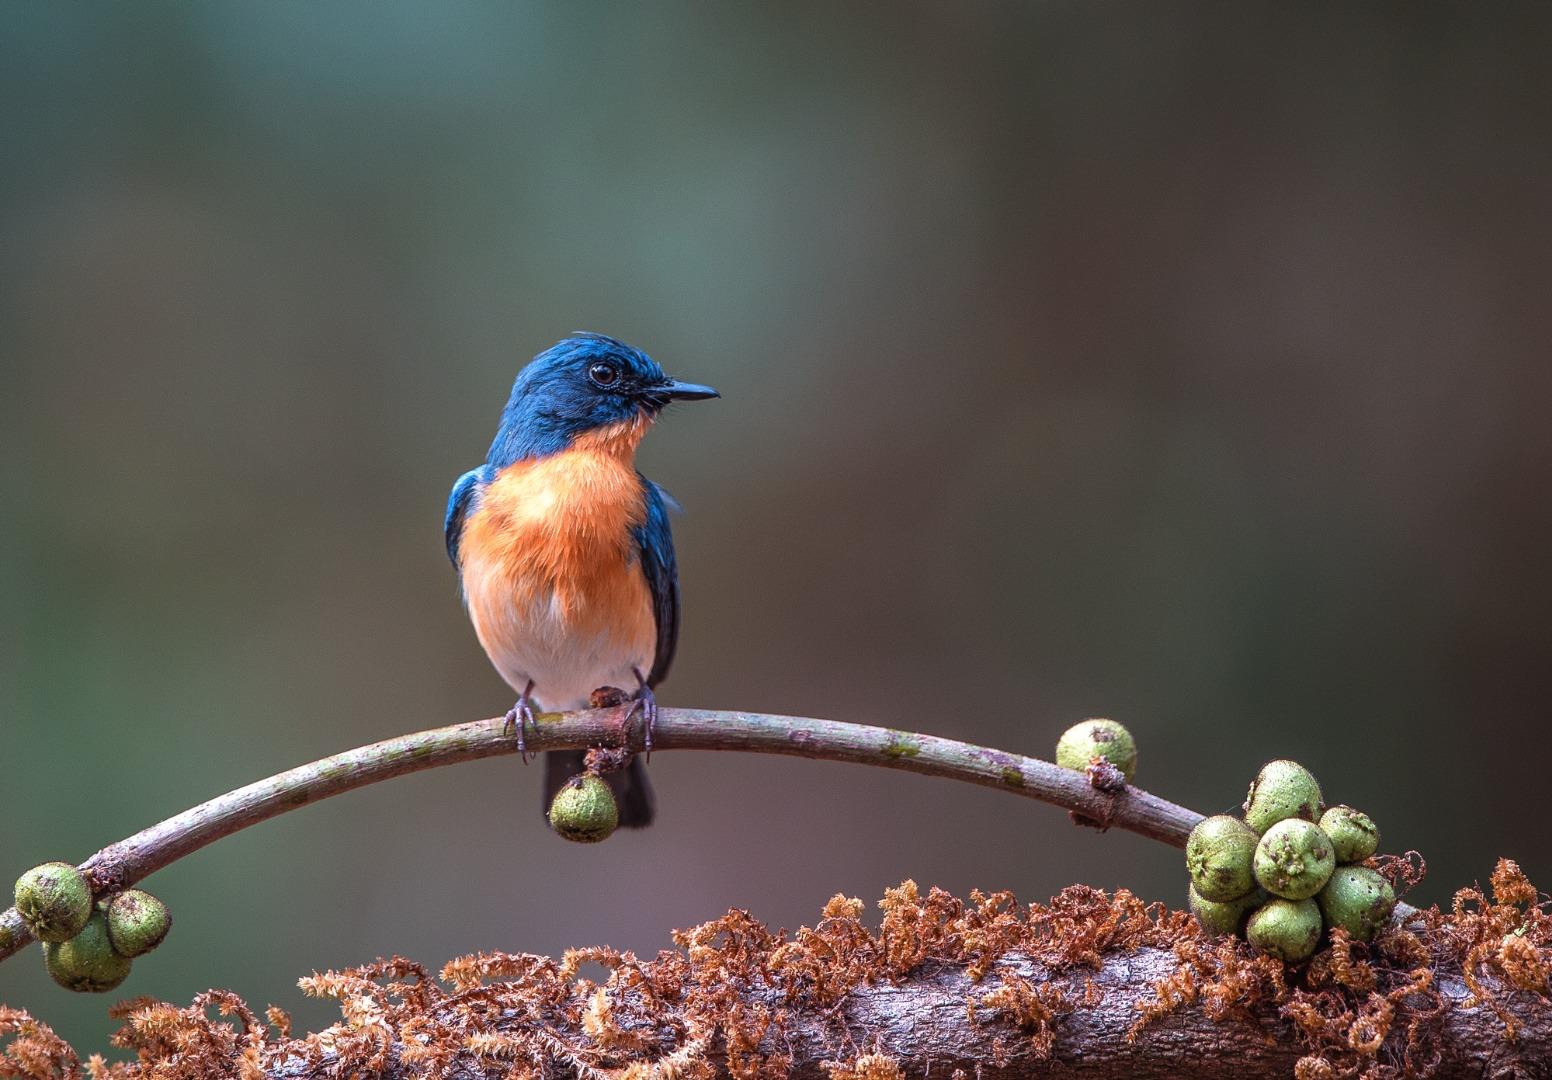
x,y
655,543
460,504
552,402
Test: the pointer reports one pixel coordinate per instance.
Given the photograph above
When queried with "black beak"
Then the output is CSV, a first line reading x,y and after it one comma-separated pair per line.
x,y
674,390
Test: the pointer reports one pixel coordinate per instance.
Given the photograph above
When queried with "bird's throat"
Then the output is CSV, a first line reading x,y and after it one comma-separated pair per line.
x,y
618,441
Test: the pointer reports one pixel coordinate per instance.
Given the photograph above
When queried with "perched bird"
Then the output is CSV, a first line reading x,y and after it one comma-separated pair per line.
x,y
563,548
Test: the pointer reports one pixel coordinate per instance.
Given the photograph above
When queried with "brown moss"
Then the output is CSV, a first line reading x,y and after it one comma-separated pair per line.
x,y
725,996
1311,1067
280,1020
1032,1006
866,1067
184,1044
1500,941
1510,885
1404,872
1523,964
1082,924
1359,1006
32,1050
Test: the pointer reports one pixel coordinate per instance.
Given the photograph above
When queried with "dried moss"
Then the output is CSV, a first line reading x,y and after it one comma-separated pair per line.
x,y
723,998
866,1067
32,1049
1032,1006
1375,1011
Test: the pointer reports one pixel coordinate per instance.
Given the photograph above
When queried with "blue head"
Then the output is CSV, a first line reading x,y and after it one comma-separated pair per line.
x,y
585,382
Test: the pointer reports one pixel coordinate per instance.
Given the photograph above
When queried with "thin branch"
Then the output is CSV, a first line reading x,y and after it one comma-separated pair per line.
x,y
130,860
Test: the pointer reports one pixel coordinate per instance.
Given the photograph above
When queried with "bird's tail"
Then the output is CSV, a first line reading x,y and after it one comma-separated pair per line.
x,y
631,789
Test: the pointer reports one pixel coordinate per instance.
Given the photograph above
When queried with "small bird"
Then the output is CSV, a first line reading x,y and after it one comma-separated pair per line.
x,y
563,547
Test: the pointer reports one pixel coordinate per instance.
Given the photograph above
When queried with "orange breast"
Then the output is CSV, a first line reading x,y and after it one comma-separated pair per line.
x,y
551,572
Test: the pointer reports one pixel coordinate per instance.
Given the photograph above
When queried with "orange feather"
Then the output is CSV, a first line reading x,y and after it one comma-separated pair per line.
x,y
551,571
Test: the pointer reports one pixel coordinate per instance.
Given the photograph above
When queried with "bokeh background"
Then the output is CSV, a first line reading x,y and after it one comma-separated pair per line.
x,y
1186,365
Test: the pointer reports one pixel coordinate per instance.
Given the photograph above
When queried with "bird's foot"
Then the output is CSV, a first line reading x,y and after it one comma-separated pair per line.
x,y
518,719
645,703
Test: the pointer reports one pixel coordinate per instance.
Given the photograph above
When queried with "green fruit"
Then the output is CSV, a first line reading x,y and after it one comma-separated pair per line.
x,y
1283,789
584,810
1084,742
1294,859
1286,929
137,922
1357,899
1354,836
87,962
54,901
1219,855
1227,916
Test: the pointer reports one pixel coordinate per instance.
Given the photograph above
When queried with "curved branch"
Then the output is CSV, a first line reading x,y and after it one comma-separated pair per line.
x,y
130,860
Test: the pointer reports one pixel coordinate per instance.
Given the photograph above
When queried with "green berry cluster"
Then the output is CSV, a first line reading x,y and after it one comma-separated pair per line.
x,y
1290,870
87,946
584,809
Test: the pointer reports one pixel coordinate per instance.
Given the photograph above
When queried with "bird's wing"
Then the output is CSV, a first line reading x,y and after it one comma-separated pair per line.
x,y
459,503
655,544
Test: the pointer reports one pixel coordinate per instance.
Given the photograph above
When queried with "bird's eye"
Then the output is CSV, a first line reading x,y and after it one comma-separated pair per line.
x,y
604,375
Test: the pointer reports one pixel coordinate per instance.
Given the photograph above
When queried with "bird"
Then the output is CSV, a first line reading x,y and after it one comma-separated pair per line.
x,y
563,549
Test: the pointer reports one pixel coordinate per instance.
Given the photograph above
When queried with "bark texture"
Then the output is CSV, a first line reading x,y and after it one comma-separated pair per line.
x,y
1089,984
923,1026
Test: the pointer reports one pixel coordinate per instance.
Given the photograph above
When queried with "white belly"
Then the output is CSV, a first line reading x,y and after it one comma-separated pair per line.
x,y
564,642
551,574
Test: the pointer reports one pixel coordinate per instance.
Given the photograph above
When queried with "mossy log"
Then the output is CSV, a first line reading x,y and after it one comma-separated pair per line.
x,y
1092,984
921,1027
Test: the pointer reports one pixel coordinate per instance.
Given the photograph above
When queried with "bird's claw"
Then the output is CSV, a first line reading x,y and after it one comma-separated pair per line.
x,y
518,718
645,703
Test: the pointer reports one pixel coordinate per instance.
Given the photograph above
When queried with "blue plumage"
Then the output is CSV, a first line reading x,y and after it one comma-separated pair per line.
x,y
459,503
551,405
655,542
555,609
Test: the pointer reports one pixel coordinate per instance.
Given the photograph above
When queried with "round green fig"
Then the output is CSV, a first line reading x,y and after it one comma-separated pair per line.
x,y
137,922
1283,789
1226,916
1357,899
1286,929
86,963
584,810
1106,739
54,901
1219,854
1354,836
1294,859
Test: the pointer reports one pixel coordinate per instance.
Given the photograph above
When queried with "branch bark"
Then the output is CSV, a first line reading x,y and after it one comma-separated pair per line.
x,y
923,1025
121,865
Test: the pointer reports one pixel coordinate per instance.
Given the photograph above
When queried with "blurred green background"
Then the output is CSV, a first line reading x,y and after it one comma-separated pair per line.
x,y
1186,365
